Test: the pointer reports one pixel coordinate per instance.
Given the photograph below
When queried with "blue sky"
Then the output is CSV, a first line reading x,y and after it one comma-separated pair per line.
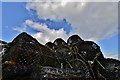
x,y
14,14
16,18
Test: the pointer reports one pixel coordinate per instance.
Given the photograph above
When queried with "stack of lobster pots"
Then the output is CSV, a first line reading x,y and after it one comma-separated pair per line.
x,y
76,59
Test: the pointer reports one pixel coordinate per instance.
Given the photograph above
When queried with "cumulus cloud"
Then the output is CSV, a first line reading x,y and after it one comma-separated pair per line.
x,y
23,28
73,0
44,33
111,55
91,20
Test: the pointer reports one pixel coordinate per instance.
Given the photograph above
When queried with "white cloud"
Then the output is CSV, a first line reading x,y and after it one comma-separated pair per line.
x,y
23,28
111,55
91,20
73,0
45,34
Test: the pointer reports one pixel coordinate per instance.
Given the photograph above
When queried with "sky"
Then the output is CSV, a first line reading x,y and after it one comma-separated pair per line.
x,y
95,21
